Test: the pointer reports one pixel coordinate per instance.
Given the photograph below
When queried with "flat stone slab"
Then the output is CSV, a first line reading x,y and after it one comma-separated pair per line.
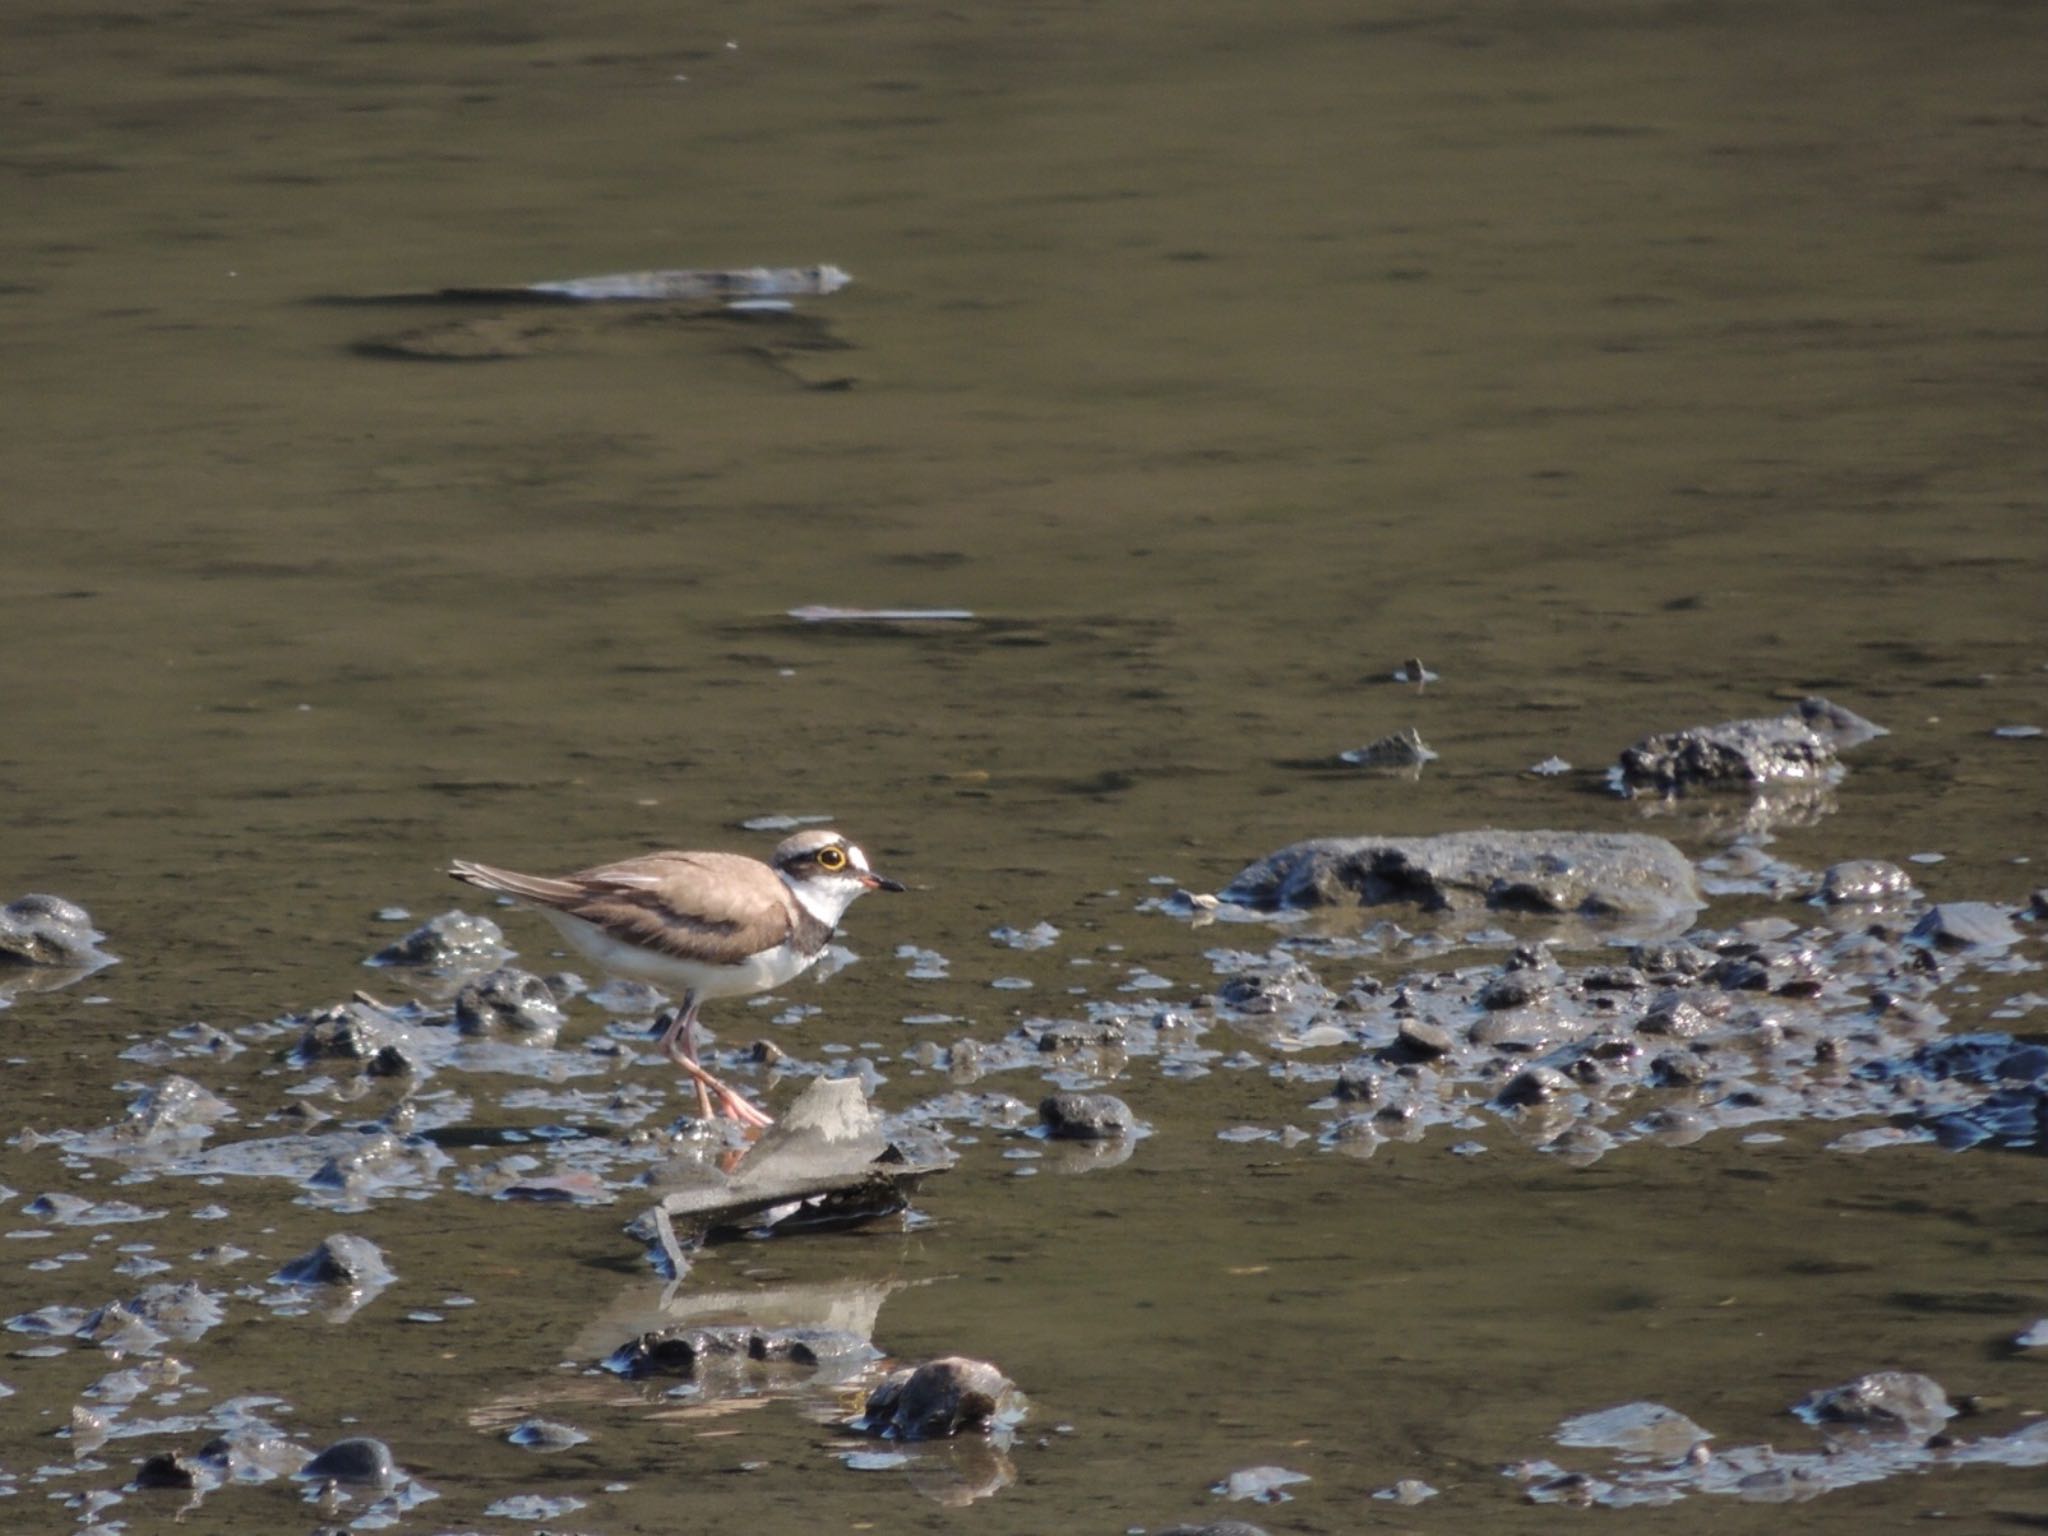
x,y
825,1163
1619,875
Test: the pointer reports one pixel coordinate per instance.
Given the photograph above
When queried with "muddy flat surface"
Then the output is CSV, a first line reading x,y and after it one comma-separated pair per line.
x,y
1633,366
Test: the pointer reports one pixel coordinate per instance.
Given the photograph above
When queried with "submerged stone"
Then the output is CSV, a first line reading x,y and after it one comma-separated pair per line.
x,y
1086,1117
511,1003
1966,925
1864,882
545,1435
938,1399
686,1350
360,1460
453,941
1799,746
1586,874
1901,1400
339,1260
48,931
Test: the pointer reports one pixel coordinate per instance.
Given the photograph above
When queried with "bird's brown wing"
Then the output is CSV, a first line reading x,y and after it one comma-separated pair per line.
x,y
720,907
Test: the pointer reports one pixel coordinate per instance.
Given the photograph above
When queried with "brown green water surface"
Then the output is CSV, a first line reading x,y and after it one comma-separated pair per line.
x,y
1635,365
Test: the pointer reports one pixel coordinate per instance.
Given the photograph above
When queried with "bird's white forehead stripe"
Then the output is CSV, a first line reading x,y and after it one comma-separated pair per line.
x,y
860,860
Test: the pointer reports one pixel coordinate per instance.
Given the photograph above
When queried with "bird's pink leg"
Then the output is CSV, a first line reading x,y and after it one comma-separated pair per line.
x,y
679,1043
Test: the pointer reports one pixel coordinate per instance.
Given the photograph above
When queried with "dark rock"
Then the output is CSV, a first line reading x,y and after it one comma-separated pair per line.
x,y
361,1461
1590,874
677,1351
508,1001
1678,961
48,930
455,940
1086,1117
346,1032
1864,882
1522,1031
1883,1399
1672,1015
1613,978
1966,925
1358,1085
168,1469
1678,1069
940,1398
1061,1035
339,1260
687,1350
1529,976
1418,1040
1741,973
1535,1085
1273,990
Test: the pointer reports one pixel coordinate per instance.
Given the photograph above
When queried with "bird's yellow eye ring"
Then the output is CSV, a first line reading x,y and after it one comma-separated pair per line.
x,y
832,858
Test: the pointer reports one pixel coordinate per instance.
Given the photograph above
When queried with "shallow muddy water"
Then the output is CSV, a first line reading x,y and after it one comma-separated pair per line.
x,y
1633,366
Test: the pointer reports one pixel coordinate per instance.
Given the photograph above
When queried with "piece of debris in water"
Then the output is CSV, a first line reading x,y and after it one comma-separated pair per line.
x,y
825,613
669,285
1403,749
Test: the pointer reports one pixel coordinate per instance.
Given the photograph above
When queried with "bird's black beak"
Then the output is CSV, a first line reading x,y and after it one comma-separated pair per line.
x,y
876,882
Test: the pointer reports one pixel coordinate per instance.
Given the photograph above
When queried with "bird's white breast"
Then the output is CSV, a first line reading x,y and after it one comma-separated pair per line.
x,y
759,972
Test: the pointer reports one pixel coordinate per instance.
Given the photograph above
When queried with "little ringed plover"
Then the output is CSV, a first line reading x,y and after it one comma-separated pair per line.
x,y
703,925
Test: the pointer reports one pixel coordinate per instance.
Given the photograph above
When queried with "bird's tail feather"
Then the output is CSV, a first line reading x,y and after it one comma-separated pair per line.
x,y
534,888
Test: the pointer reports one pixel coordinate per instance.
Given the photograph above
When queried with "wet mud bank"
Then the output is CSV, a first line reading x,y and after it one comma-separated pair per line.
x,y
1573,997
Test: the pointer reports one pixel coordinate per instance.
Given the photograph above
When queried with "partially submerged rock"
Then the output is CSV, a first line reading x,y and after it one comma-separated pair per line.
x,y
340,1259
1895,1400
1958,925
1864,882
1086,1117
940,1398
49,931
509,1003
1640,1428
359,1461
1586,874
1799,746
456,940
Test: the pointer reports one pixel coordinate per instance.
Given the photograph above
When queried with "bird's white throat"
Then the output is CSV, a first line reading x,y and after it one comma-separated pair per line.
x,y
825,897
